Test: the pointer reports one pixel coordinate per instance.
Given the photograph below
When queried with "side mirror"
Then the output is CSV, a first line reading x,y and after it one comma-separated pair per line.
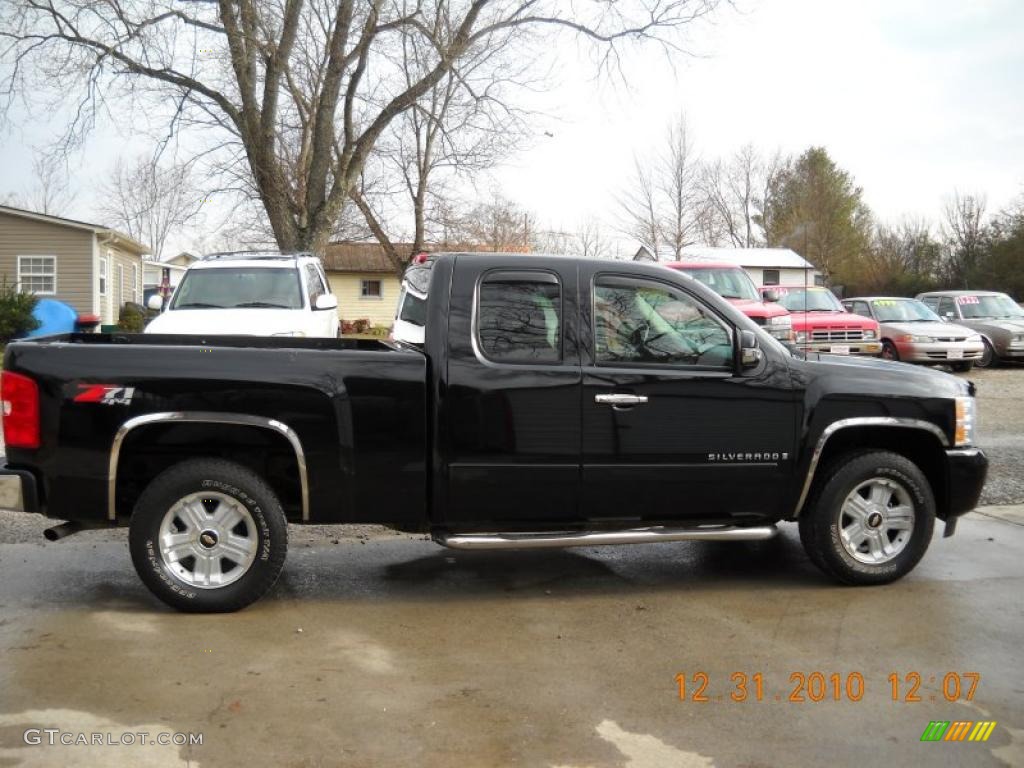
x,y
750,352
326,301
771,295
155,302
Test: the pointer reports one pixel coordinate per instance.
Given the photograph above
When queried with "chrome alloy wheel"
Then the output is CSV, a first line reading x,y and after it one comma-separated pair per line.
x,y
876,521
208,540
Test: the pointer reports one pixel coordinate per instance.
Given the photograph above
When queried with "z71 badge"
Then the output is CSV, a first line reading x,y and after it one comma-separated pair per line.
x,y
107,394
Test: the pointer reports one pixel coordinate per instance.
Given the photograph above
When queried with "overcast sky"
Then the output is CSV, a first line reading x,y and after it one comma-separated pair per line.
x,y
915,98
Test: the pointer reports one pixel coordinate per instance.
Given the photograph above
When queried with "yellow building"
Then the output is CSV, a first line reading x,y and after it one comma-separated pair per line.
x,y
364,280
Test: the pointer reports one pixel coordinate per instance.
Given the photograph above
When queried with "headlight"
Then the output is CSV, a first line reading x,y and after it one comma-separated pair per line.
x,y
965,421
1017,339
782,320
916,339
869,334
801,336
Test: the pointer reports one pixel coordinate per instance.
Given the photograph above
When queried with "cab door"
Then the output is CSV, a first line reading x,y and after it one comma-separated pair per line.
x,y
511,413
672,429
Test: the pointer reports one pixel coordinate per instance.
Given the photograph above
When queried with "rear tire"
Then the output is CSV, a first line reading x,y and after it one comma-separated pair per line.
x,y
962,367
870,520
209,536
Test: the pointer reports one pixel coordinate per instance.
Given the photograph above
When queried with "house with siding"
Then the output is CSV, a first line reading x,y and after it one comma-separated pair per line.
x,y
93,268
364,280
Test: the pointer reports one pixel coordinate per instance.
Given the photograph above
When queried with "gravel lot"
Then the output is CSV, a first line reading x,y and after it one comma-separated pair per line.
x,y
1001,434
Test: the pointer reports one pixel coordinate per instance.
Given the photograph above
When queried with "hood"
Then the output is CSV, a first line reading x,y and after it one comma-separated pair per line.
x,y
752,308
872,375
837,319
944,330
227,322
994,324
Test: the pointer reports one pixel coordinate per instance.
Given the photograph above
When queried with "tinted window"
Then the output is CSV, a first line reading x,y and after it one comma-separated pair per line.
x,y
640,322
520,319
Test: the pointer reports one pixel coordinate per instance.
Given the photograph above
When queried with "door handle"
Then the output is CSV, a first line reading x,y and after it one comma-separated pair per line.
x,y
620,399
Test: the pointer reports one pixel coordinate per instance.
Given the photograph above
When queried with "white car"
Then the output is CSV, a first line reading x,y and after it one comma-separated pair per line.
x,y
411,311
251,294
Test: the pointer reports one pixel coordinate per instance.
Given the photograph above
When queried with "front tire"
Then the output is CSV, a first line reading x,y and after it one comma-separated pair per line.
x,y
208,536
963,367
870,520
889,351
989,358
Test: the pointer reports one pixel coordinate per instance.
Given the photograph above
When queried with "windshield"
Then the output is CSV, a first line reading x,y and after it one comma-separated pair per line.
x,y
903,311
727,283
239,287
994,305
809,300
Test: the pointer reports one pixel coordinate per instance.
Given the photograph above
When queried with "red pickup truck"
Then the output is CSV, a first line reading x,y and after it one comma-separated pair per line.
x,y
821,324
731,282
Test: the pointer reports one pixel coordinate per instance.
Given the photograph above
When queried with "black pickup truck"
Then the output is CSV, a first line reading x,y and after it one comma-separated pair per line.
x,y
554,402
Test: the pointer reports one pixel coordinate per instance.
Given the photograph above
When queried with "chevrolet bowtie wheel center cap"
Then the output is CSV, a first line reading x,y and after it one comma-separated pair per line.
x,y
875,520
208,539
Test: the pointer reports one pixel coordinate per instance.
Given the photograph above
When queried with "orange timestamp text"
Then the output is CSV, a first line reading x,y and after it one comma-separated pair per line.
x,y
909,687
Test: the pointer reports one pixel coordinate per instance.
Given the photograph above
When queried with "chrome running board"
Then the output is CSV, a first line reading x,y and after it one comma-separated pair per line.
x,y
600,538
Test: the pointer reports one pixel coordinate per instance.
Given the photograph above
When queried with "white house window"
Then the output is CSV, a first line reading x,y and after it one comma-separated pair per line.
x,y
771,277
38,274
103,276
371,289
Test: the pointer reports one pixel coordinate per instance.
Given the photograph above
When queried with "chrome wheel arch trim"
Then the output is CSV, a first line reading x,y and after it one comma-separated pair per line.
x,y
204,417
860,421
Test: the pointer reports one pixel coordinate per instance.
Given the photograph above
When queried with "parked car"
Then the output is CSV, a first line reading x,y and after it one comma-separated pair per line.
x,y
914,334
411,310
733,283
997,317
257,294
555,402
820,324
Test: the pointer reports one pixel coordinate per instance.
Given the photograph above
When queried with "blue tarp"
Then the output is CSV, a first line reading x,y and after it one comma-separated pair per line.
x,y
54,317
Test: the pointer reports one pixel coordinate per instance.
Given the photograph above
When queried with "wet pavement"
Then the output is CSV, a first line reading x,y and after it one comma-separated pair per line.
x,y
395,652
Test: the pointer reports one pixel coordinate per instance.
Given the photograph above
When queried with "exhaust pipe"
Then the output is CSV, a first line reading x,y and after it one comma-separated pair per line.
x,y
596,538
58,532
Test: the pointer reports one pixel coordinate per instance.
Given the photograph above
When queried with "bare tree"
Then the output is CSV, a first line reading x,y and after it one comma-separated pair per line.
x,y
498,225
150,202
590,241
295,94
639,207
963,230
663,207
51,191
730,191
682,212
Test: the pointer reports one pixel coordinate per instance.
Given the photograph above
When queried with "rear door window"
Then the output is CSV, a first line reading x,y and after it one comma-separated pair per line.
x,y
519,317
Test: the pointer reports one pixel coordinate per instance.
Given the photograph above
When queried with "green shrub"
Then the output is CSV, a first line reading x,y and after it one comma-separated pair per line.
x,y
15,312
132,319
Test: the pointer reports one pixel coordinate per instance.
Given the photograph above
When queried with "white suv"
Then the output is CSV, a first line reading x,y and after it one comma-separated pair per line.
x,y
252,294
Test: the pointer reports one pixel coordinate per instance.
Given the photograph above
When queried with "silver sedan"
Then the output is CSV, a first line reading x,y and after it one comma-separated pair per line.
x,y
914,334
